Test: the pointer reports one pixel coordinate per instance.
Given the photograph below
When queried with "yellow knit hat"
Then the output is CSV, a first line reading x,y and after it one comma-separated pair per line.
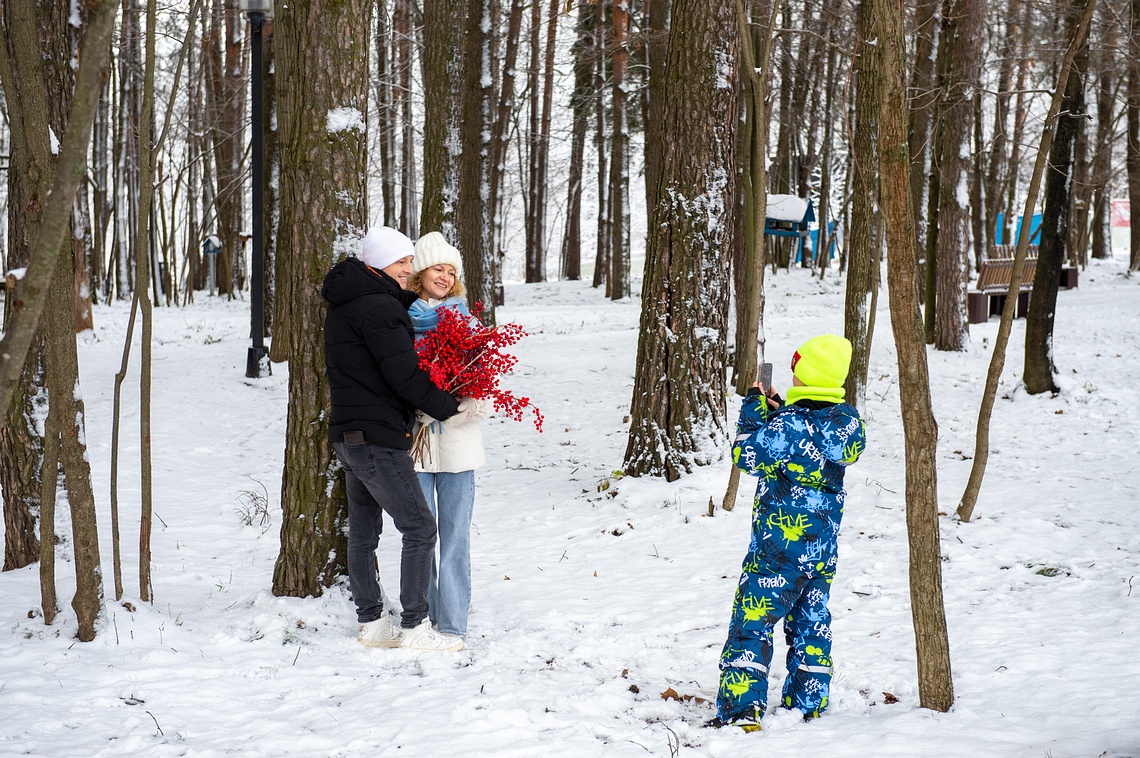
x,y
822,361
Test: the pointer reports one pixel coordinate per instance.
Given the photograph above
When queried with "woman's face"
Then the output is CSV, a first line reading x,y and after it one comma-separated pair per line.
x,y
438,280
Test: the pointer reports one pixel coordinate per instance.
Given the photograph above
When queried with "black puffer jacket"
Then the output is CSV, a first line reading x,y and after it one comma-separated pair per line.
x,y
374,374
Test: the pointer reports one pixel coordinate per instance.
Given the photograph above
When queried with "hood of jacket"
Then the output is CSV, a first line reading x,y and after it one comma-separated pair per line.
x,y
351,279
839,432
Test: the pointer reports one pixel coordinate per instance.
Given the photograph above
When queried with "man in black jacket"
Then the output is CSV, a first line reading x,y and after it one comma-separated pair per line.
x,y
376,386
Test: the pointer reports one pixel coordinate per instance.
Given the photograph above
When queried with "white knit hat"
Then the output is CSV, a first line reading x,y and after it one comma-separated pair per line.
x,y
432,249
383,246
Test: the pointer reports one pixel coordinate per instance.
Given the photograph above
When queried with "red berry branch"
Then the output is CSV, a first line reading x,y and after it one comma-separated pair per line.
x,y
467,358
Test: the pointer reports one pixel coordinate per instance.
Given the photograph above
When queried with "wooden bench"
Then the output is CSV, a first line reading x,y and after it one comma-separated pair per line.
x,y
988,297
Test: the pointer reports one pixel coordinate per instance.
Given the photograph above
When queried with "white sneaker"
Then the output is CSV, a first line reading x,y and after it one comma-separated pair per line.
x,y
424,637
379,633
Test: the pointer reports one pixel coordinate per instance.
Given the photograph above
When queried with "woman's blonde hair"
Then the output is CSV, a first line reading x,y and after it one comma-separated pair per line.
x,y
416,285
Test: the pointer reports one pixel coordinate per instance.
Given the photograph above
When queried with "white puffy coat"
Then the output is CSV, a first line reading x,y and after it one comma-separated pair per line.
x,y
454,446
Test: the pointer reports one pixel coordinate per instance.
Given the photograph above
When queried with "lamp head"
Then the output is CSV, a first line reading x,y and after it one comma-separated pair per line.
x,y
264,8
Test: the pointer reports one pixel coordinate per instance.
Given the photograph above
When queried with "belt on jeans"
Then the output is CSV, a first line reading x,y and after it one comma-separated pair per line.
x,y
354,438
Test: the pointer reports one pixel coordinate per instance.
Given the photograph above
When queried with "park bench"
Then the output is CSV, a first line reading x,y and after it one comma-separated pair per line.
x,y
989,293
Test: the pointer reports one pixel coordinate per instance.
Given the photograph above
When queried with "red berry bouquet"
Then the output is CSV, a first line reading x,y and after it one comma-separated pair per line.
x,y
467,358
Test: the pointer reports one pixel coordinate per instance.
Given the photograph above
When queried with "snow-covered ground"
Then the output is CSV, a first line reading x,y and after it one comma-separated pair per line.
x,y
595,594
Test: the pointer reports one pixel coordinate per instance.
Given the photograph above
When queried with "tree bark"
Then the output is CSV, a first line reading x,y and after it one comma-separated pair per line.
x,y
67,413
571,259
678,411
935,683
442,64
323,214
922,105
473,223
500,136
863,253
146,142
619,157
602,246
387,115
992,185
1039,369
1132,159
657,44
997,360
1102,149
28,304
405,43
225,93
962,32
752,142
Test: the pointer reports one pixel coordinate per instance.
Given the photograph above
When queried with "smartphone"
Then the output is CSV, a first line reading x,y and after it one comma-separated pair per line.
x,y
765,377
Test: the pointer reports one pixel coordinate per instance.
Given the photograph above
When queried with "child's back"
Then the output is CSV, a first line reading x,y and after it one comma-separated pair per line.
x,y
799,452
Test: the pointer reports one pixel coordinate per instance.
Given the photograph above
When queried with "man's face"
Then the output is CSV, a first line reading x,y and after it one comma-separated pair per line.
x,y
400,270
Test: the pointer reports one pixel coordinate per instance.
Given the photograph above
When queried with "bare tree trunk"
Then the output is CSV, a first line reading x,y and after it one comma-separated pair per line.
x,y
602,247
1038,368
473,223
756,61
442,71
1102,149
921,114
571,258
101,201
997,360
977,178
752,143
116,406
405,43
679,388
127,150
935,683
49,600
619,159
194,262
962,30
657,44
1080,201
863,253
934,182
146,141
81,242
997,154
1020,111
324,204
824,212
541,98
227,77
1133,148
270,207
386,115
500,136
28,303
62,370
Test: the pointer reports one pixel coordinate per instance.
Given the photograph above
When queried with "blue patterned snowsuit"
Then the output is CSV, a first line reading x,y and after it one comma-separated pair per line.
x,y
799,452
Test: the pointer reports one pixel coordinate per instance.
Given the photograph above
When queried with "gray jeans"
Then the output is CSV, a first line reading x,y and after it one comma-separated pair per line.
x,y
382,480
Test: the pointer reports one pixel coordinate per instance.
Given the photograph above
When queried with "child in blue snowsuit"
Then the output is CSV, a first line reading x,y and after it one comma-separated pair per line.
x,y
799,451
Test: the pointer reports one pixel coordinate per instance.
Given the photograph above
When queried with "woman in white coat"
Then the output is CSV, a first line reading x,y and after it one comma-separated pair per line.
x,y
454,448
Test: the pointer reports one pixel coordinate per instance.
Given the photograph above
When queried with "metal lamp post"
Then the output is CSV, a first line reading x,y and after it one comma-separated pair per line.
x,y
258,12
